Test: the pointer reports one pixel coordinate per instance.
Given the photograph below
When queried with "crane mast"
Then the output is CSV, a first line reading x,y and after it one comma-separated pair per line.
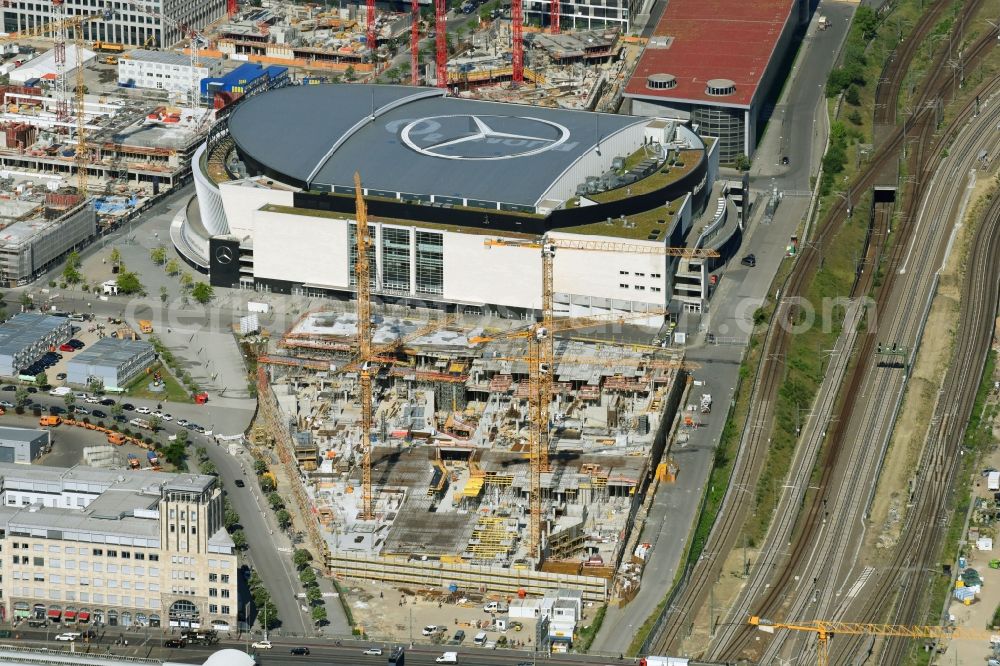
x,y
362,270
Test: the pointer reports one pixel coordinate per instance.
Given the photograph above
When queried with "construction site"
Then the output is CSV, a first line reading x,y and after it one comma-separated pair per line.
x,y
449,455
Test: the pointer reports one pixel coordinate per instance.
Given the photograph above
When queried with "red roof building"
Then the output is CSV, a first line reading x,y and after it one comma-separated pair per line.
x,y
714,62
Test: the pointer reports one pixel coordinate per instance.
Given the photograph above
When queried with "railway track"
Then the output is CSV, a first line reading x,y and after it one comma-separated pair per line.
x,y
774,602
688,597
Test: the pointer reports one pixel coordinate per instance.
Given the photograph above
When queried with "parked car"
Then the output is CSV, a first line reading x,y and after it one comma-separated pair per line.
x,y
182,423
6,404
299,650
76,344
173,643
429,630
108,402
61,376
373,652
128,407
93,400
262,645
66,347
68,636
80,396
166,417
784,160
750,260
143,410
81,410
99,414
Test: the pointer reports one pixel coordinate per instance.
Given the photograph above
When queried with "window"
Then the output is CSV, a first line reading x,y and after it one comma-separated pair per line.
x,y
112,568
623,285
40,577
98,551
53,549
112,553
126,555
213,577
154,558
640,275
225,610
225,593
430,262
55,564
39,561
622,272
353,258
639,287
655,275
225,578
98,566
37,547
213,608
140,556
213,592
655,289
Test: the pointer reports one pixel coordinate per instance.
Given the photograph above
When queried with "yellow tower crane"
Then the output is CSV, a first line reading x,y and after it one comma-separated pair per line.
x,y
541,350
826,629
361,270
74,23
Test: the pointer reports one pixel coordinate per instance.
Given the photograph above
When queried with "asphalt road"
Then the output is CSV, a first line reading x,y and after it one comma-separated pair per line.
x,y
265,550
328,653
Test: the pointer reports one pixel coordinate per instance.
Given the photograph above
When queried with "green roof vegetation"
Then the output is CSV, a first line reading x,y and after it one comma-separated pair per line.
x,y
645,223
687,159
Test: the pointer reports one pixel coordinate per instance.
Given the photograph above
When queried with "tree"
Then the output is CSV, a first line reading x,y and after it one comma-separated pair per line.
x,y
186,280
116,256
259,467
70,401
21,396
301,558
164,295
97,386
274,499
393,74
173,267
855,117
284,519
41,379
202,292
232,519
175,454
158,255
267,484
853,96
181,438
308,577
319,614
26,301
866,21
239,540
742,162
349,74
155,422
313,595
128,283
208,467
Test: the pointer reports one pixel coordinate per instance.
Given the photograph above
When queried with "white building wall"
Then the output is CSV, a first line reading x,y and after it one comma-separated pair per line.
x,y
301,248
474,273
161,76
240,201
213,213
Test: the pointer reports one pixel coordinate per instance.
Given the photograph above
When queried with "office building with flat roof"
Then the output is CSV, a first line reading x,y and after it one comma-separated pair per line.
x,y
110,362
26,336
22,445
122,548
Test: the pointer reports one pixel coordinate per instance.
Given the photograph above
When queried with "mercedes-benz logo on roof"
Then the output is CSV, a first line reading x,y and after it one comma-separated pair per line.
x,y
473,137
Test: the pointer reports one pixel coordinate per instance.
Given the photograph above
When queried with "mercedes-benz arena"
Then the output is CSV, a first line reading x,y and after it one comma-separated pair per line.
x,y
441,176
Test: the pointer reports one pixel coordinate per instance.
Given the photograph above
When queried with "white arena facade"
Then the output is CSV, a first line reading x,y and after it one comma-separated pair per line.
x,y
441,177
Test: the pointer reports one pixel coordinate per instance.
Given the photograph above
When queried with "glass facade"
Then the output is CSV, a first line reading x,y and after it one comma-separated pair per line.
x,y
726,125
396,259
372,263
430,263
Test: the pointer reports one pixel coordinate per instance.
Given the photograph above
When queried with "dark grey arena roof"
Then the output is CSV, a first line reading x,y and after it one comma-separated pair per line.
x,y
415,141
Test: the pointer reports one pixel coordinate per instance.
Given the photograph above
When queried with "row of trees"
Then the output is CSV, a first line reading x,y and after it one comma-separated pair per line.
x,y
310,582
200,291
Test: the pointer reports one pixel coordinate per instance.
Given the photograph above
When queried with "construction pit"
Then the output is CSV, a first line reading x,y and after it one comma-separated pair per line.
x,y
450,468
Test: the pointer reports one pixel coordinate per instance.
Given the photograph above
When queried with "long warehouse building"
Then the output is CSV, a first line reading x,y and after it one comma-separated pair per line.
x,y
443,178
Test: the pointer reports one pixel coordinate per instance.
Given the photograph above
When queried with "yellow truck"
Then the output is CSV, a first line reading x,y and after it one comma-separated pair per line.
x,y
146,326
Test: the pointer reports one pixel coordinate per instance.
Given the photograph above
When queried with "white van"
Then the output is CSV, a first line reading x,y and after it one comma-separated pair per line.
x,y
60,390
480,639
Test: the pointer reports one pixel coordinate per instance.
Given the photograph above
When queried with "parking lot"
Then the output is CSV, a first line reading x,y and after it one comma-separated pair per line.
x,y
87,333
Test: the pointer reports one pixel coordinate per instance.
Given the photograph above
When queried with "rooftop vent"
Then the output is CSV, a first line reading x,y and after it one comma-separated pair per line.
x,y
720,87
661,81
